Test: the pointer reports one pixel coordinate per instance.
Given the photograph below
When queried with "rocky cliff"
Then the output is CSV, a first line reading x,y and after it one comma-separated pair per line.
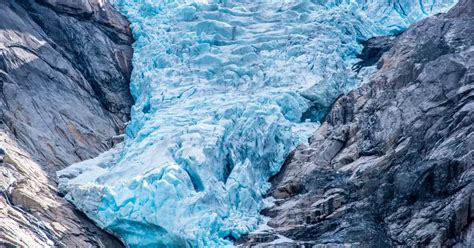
x,y
392,165
64,78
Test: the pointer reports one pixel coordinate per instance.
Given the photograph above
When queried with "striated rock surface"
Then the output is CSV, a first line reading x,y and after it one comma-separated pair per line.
x,y
64,94
392,165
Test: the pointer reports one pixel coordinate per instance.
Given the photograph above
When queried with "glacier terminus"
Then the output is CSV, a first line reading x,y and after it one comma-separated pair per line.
x,y
224,91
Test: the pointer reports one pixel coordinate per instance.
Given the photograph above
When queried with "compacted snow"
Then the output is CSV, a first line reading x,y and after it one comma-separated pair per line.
x,y
224,91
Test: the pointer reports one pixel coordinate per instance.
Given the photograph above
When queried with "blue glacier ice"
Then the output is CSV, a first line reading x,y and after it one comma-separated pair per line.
x,y
221,90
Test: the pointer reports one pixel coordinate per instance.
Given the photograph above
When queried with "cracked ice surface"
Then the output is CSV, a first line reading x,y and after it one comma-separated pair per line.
x,y
222,92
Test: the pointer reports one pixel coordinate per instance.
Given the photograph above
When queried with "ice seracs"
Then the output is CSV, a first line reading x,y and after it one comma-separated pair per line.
x,y
224,91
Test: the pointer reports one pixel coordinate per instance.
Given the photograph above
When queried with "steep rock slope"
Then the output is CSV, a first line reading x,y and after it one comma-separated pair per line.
x,y
393,162
64,79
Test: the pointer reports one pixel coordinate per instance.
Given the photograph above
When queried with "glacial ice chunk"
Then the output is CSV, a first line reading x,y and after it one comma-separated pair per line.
x,y
222,91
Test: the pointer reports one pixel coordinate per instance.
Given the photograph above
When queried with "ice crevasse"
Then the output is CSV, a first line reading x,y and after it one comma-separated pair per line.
x,y
224,90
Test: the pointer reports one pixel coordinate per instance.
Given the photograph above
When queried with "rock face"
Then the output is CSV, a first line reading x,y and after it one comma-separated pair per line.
x,y
64,82
392,165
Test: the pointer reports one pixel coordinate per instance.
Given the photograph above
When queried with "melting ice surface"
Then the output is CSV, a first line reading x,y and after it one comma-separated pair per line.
x,y
223,92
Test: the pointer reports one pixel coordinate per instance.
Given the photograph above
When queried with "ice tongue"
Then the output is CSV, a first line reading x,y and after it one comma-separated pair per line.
x,y
223,90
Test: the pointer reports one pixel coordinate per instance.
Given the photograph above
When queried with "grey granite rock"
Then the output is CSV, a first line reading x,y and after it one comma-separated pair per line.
x,y
392,165
64,95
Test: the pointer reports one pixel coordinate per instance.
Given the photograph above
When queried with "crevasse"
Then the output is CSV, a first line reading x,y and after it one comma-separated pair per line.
x,y
224,91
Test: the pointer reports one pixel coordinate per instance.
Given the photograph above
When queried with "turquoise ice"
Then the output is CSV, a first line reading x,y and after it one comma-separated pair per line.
x,y
224,91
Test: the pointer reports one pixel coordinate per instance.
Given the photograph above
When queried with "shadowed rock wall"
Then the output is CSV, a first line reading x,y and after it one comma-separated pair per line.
x,y
64,93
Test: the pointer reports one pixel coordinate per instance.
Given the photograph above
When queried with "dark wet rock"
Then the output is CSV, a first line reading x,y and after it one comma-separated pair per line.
x,y
392,165
64,95
373,50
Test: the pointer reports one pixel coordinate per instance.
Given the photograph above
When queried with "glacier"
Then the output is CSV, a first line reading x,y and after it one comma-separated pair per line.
x,y
223,90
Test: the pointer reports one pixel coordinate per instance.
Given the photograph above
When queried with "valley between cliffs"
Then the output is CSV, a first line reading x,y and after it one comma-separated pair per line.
x,y
392,164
